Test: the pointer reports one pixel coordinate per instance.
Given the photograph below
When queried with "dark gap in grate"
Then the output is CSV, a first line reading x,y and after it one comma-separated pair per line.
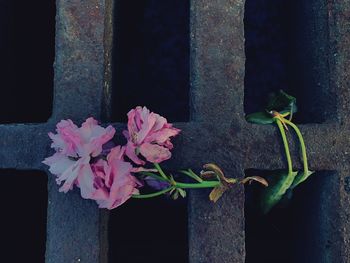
x,y
150,67
305,230
151,58
23,205
153,230
27,49
286,44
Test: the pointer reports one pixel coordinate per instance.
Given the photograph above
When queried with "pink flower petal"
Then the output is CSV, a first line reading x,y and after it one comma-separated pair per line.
x,y
58,163
77,142
116,153
161,136
67,138
93,137
154,153
130,152
70,176
100,194
160,122
145,128
85,181
122,187
148,123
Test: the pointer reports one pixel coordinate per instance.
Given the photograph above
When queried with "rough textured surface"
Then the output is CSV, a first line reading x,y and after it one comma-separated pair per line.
x,y
73,223
217,131
216,232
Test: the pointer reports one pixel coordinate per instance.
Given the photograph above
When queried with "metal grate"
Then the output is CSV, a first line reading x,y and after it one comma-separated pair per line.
x,y
217,131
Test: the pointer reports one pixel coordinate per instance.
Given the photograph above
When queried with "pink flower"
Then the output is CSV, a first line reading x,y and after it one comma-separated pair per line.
x,y
74,148
77,142
148,134
113,182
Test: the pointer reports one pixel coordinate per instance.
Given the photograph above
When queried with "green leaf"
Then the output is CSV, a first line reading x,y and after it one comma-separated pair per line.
x,y
279,182
301,177
282,102
260,118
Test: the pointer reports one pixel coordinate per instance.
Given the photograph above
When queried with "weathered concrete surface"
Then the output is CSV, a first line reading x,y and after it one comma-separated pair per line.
x,y
216,232
73,230
339,11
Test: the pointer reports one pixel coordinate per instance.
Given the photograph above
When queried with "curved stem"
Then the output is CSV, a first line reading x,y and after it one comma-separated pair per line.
x,y
152,194
205,184
302,144
285,143
159,169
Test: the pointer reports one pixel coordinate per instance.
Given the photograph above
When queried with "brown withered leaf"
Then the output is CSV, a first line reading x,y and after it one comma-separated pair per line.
x,y
217,192
250,179
207,174
212,169
219,173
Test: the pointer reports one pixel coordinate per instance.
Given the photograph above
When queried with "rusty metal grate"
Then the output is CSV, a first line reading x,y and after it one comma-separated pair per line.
x,y
216,132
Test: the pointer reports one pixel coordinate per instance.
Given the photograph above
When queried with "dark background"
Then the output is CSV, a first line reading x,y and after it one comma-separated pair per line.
x,y
151,58
286,46
27,35
151,68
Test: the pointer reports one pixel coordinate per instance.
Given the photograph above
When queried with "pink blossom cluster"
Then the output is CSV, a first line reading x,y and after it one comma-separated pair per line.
x,y
84,158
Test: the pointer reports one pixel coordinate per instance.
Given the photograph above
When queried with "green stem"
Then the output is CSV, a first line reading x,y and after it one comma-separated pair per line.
x,y
157,166
152,194
286,147
205,184
302,144
163,177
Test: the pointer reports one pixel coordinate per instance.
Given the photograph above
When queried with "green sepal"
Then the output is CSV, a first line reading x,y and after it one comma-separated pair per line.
x,y
279,182
182,192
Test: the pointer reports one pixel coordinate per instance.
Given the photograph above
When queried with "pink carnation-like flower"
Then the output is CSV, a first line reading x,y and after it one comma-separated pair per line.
x,y
113,182
148,134
77,142
74,148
